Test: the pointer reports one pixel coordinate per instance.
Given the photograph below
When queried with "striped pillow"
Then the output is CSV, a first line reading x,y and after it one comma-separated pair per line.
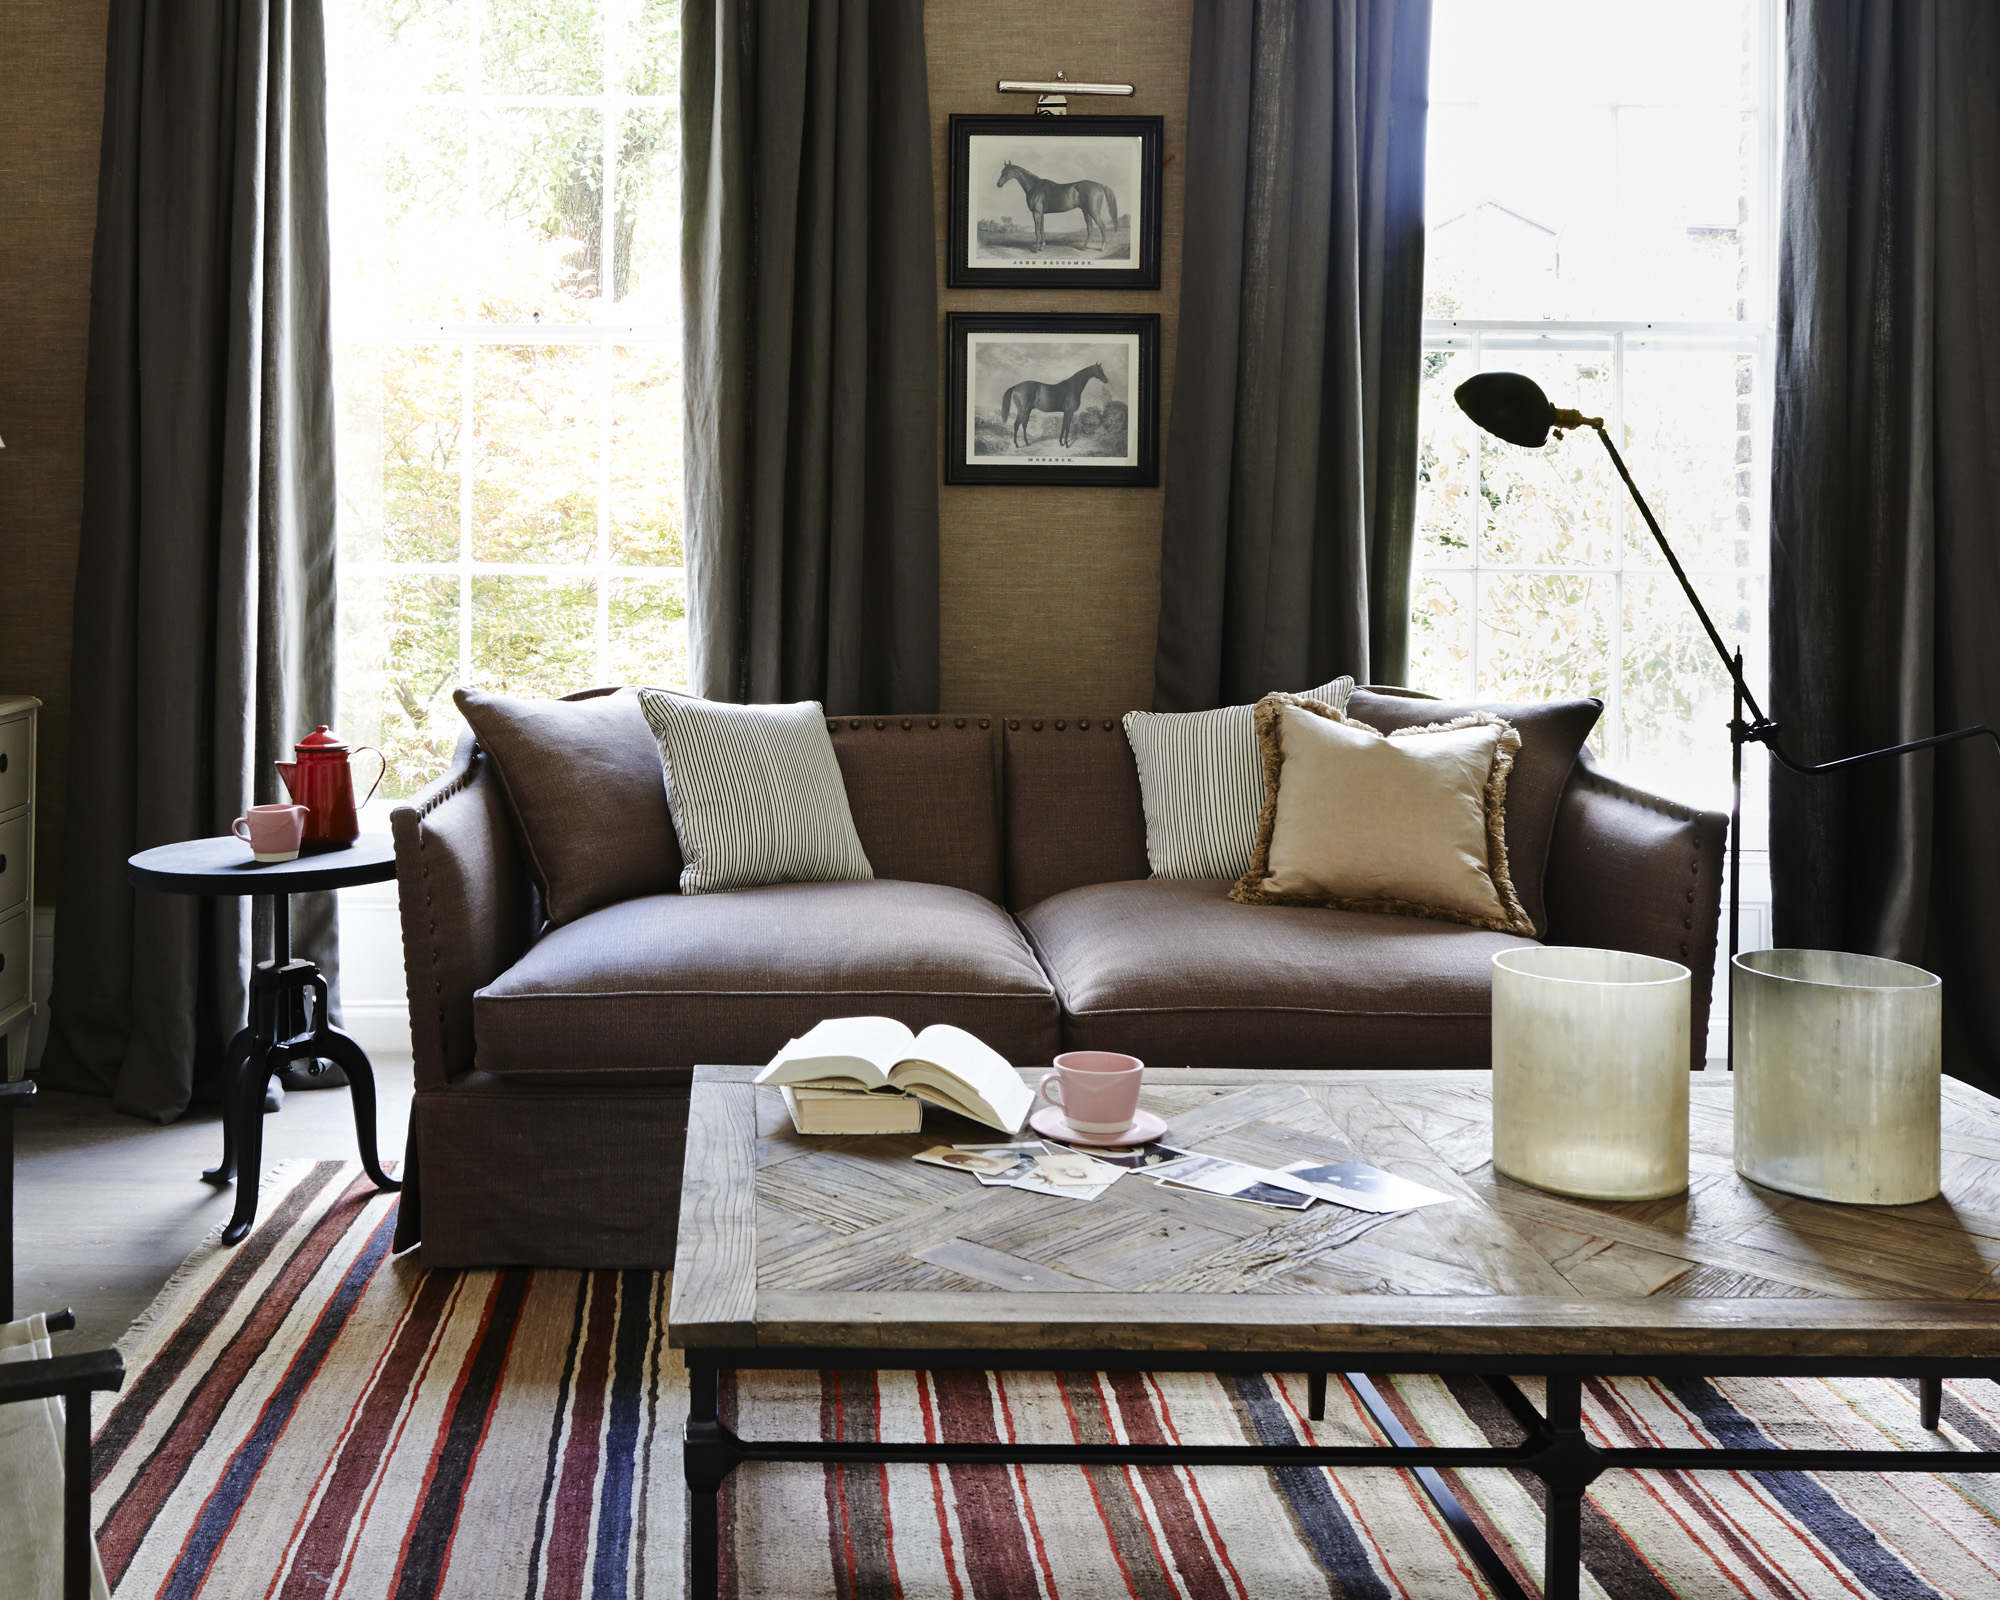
x,y
1202,778
755,793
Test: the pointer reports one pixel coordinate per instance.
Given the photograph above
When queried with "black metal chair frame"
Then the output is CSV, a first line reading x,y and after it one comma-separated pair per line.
x,y
70,1378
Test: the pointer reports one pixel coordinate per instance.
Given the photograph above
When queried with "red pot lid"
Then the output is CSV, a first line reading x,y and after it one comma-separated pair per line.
x,y
322,741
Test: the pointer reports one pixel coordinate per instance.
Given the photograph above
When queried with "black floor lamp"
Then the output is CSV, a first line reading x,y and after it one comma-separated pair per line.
x,y
1512,406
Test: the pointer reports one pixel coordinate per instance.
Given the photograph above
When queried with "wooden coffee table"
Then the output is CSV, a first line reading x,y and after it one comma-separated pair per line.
x,y
844,1253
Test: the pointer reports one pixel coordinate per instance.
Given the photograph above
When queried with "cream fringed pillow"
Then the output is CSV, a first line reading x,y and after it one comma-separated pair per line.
x,y
1413,822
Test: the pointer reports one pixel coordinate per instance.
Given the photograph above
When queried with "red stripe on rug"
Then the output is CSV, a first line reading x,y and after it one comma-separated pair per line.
x,y
945,1541
165,1368
131,1516
1090,1478
1201,1500
317,1557
570,1526
1167,1490
996,1545
882,1487
840,1544
1027,1500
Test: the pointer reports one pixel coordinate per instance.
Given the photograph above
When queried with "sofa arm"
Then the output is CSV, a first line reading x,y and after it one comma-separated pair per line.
x,y
1629,870
467,904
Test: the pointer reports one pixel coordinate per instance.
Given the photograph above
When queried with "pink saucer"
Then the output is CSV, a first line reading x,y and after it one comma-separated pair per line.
x,y
1050,1122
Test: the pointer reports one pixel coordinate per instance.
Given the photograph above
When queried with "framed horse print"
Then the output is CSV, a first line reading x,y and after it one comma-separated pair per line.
x,y
1072,202
1052,399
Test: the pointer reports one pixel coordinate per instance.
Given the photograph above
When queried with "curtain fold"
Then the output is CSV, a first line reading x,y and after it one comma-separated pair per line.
x,y
1292,452
1885,562
203,640
810,372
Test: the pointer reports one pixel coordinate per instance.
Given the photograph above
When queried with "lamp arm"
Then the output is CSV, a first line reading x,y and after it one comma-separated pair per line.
x,y
1760,729
1757,717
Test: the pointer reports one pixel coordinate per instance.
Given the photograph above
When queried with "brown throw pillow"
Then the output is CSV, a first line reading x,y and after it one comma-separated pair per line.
x,y
1412,822
584,780
1552,732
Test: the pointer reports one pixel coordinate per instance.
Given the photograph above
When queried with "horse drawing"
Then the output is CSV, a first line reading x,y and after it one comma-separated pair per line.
x,y
1025,399
1095,200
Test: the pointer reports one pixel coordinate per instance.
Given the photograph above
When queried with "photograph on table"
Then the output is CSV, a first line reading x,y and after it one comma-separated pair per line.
x,y
1072,202
1052,399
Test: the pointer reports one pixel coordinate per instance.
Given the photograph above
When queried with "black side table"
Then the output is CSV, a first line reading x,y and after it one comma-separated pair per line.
x,y
288,1006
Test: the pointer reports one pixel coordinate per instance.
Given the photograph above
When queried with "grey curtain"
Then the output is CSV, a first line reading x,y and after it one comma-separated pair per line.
x,y
1885,548
1292,453
811,372
204,631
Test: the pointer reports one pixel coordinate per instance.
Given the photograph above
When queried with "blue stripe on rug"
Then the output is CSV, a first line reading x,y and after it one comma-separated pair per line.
x,y
1310,1495
621,1436
1850,1540
238,1478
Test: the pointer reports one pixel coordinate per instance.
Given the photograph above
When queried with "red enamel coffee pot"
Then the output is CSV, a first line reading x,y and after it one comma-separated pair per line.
x,y
321,781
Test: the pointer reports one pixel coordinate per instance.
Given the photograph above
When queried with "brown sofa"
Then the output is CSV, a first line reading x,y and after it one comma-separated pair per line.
x,y
1011,897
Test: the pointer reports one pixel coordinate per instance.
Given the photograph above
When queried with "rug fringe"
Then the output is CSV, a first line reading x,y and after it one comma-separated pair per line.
x,y
282,1175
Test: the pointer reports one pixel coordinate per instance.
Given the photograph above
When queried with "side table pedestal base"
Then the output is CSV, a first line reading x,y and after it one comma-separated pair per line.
x,y
288,1023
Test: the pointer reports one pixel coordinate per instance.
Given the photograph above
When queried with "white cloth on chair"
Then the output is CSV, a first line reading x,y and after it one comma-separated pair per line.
x,y
31,1482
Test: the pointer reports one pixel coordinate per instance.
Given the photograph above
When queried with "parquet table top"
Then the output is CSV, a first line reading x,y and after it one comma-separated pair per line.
x,y
846,1243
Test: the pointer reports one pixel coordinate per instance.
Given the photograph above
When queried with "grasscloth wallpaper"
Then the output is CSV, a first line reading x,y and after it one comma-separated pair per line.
x,y
1051,595
51,115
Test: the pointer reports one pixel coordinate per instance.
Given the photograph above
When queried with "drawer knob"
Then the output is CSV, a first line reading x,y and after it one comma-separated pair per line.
x,y
3,861
3,760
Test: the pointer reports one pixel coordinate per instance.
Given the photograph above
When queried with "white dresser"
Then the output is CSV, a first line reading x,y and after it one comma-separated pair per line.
x,y
17,876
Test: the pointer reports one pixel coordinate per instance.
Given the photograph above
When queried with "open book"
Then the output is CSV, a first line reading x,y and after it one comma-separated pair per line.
x,y
945,1065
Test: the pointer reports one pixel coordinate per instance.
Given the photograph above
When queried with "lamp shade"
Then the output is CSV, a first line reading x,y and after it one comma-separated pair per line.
x,y
1509,405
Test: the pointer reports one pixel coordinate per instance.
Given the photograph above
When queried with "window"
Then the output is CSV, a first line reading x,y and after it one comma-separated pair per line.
x,y
1600,218
507,353
1600,196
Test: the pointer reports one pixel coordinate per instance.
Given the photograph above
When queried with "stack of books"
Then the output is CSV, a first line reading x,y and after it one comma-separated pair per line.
x,y
872,1075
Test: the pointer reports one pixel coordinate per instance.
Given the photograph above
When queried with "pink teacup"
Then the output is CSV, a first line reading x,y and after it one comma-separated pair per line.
x,y
272,832
1097,1091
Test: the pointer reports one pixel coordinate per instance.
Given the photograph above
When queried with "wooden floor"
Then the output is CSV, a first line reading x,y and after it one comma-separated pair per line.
x,y
106,1206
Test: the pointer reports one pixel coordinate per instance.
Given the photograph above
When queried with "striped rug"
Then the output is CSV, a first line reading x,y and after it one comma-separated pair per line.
x,y
308,1415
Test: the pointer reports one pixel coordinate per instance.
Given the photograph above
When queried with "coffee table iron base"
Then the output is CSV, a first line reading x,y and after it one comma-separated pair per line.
x,y
1556,1448
288,1023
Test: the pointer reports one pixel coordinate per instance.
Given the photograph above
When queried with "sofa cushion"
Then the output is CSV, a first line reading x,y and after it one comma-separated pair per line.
x,y
756,793
565,766
1411,822
1201,775
646,989
1552,732
1178,974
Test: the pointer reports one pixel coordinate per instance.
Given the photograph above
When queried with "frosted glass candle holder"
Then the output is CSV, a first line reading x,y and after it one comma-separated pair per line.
x,y
1838,1059
1590,1072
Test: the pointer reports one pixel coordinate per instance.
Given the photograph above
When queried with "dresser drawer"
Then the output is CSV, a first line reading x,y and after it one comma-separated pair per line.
x,y
13,959
15,843
17,762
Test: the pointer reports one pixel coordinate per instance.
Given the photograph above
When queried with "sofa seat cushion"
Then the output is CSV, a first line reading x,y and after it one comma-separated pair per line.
x,y
1178,974
641,991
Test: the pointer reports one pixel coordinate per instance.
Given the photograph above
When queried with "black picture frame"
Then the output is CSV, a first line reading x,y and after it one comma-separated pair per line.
x,y
1069,267
979,342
